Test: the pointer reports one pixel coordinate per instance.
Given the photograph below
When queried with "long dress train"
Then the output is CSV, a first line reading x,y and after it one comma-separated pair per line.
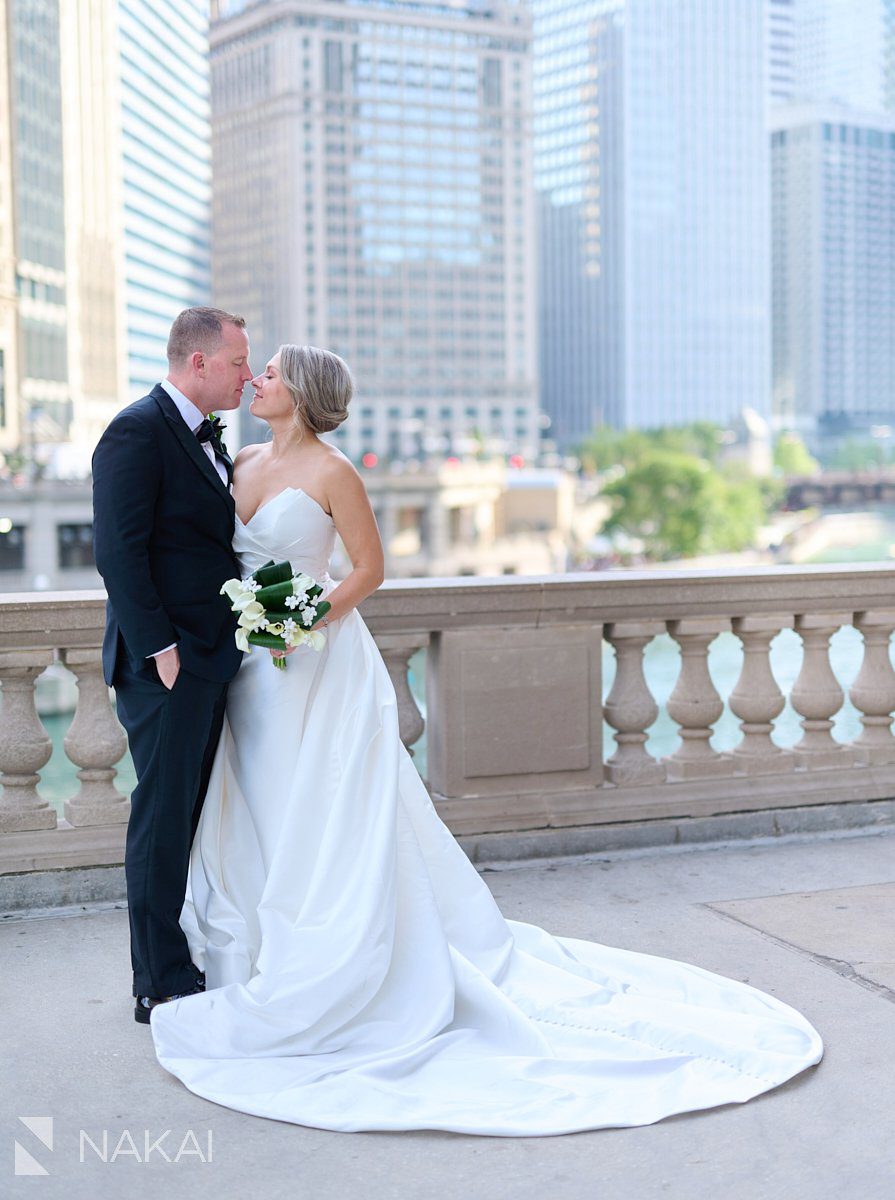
x,y
360,975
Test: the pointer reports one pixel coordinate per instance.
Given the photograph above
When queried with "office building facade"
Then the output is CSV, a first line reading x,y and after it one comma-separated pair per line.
x,y
166,174
782,42
37,404
845,53
651,169
372,168
105,200
833,174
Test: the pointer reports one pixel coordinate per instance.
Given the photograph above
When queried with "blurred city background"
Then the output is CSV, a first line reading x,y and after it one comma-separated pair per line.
x,y
616,278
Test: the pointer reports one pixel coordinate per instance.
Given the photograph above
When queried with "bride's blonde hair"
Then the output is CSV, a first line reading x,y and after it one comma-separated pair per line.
x,y
321,385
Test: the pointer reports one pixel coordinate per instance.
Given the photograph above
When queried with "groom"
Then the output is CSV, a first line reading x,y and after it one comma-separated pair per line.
x,y
163,524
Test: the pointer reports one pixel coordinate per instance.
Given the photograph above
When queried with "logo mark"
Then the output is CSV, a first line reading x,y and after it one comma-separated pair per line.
x,y
25,1162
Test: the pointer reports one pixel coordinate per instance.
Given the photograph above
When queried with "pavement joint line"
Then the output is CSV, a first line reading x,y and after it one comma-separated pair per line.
x,y
536,863
63,911
839,966
808,837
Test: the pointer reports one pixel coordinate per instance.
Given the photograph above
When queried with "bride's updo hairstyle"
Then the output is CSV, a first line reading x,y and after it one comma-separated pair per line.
x,y
320,384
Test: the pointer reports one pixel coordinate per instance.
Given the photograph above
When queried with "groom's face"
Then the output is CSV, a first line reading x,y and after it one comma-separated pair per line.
x,y
227,370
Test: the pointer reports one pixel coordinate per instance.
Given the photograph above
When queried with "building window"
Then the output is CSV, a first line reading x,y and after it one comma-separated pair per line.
x,y
332,66
75,544
12,546
491,82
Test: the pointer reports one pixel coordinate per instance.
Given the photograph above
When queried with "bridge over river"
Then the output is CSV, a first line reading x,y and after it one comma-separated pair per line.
x,y
840,489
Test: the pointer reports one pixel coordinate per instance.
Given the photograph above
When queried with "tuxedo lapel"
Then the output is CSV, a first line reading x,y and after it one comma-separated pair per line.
x,y
191,446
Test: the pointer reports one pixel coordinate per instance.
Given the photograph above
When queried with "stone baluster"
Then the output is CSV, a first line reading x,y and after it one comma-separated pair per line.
x,y
873,692
25,746
630,708
695,703
816,694
94,743
397,649
757,699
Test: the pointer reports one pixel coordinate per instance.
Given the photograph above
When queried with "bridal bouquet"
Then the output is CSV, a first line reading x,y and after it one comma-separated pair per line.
x,y
261,601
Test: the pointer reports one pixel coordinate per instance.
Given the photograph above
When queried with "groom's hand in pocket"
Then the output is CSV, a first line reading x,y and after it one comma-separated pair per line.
x,y
168,666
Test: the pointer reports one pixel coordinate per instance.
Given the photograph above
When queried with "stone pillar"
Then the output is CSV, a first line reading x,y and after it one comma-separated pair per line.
x,y
757,699
94,743
816,694
630,708
873,692
397,649
438,533
389,522
695,703
25,746
515,725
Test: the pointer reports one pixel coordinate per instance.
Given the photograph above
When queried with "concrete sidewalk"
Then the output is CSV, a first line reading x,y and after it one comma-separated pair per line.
x,y
810,921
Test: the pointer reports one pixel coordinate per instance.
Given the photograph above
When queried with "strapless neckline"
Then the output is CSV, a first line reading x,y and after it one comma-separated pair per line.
x,y
274,499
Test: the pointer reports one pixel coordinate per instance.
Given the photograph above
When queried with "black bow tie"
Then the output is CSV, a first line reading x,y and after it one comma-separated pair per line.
x,y
210,431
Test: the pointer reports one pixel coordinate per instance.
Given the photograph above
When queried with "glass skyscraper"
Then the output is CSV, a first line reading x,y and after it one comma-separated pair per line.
x,y
834,270
833,253
651,168
845,53
38,221
166,170
105,207
781,51
373,196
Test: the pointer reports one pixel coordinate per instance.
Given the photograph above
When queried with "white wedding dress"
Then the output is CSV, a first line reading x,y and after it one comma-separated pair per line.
x,y
359,973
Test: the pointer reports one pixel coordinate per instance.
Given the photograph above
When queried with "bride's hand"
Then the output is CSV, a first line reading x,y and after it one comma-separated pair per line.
x,y
282,653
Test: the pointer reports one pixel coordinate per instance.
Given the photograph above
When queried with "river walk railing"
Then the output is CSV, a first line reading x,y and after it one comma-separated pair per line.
x,y
515,714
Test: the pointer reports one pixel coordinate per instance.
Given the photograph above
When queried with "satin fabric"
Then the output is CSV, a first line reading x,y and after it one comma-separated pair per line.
x,y
360,975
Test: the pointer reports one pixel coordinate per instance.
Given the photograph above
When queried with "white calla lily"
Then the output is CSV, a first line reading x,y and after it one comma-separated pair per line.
x,y
232,587
252,615
238,593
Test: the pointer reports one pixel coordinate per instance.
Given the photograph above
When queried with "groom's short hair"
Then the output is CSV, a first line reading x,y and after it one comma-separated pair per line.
x,y
198,329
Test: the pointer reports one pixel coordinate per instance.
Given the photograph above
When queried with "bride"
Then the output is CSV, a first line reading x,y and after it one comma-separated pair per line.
x,y
359,973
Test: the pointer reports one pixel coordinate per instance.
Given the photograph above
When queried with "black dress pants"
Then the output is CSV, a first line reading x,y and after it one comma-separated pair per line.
x,y
173,736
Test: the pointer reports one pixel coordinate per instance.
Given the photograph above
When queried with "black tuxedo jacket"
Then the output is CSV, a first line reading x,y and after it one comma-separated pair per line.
x,y
162,528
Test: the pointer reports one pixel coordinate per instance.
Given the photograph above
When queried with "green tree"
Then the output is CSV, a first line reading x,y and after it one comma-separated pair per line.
x,y
791,456
606,448
702,439
856,455
681,506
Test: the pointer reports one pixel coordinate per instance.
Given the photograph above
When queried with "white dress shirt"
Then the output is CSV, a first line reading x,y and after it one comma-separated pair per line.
x,y
193,418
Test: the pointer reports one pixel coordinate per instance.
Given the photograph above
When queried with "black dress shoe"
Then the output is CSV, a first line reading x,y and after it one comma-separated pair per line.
x,y
200,984
145,1004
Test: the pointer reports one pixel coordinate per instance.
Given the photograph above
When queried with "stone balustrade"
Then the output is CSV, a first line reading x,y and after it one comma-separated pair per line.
x,y
515,712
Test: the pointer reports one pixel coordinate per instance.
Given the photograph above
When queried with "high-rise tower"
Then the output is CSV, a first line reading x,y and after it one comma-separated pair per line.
x,y
651,168
834,267
372,166
105,206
